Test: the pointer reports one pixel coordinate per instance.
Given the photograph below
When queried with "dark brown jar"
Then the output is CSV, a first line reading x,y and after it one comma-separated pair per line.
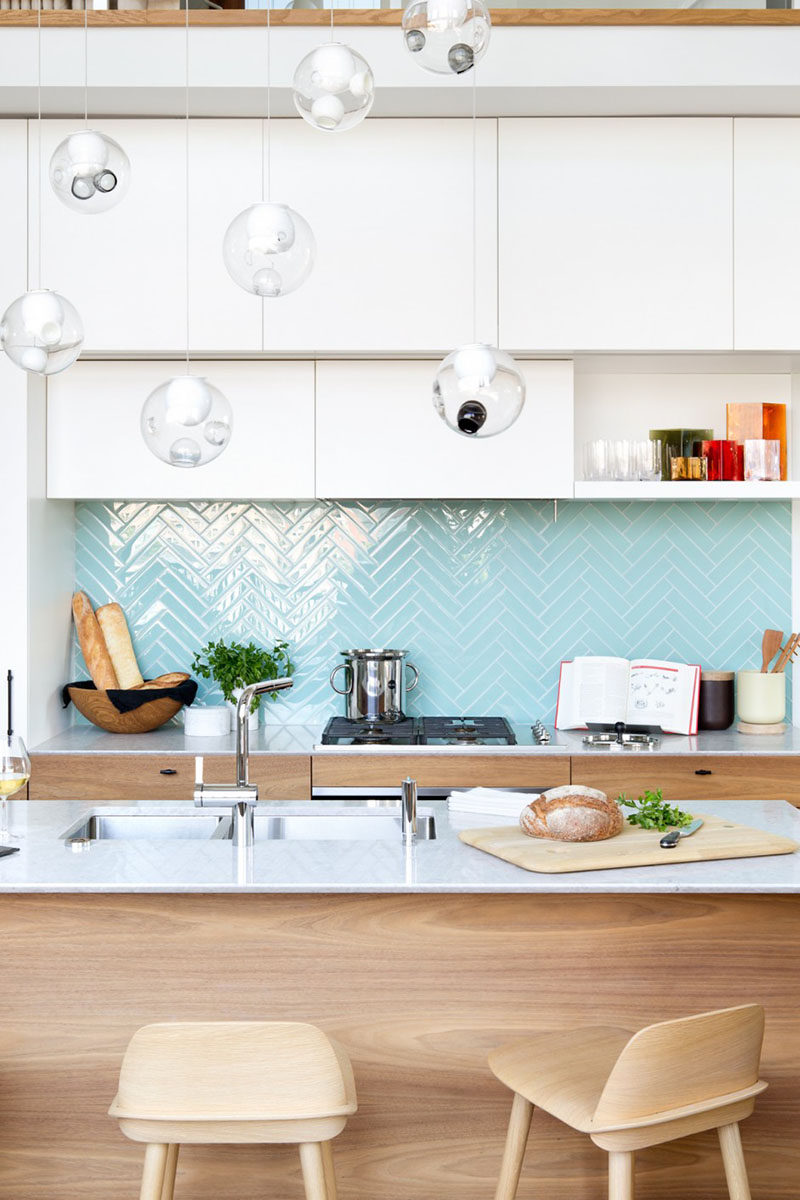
x,y
717,707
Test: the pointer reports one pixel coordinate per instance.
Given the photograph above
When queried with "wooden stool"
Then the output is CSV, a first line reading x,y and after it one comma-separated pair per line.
x,y
628,1092
228,1082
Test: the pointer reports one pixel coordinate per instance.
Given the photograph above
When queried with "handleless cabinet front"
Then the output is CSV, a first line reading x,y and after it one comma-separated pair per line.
x,y
95,450
134,777
615,233
125,269
379,436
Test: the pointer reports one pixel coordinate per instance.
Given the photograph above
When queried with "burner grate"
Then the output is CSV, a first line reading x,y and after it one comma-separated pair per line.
x,y
467,730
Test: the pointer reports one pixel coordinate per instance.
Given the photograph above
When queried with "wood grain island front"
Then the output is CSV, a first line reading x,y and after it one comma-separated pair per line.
x,y
418,988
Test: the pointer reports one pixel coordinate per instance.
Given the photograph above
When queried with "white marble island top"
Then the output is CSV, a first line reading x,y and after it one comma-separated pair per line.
x,y
47,863
305,739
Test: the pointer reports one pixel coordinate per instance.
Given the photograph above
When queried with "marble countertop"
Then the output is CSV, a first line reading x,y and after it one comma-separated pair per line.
x,y
304,739
46,862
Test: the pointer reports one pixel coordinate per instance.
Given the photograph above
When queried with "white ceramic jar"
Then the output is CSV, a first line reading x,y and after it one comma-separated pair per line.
x,y
761,697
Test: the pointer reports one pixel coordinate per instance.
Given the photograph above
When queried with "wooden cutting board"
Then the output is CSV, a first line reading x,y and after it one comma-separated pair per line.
x,y
634,847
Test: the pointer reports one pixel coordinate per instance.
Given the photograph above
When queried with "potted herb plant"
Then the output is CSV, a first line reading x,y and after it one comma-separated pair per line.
x,y
233,666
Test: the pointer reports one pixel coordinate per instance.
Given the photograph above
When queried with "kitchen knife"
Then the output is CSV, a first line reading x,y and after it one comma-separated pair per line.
x,y
670,840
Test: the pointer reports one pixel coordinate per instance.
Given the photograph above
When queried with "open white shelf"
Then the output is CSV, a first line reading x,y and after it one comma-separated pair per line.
x,y
688,490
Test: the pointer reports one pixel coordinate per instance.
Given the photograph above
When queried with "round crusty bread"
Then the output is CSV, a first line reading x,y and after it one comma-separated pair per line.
x,y
572,814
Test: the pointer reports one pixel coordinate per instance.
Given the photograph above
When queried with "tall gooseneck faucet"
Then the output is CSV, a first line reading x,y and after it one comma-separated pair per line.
x,y
241,797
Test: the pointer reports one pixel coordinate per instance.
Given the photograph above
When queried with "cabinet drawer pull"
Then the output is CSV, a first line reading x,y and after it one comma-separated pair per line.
x,y
704,771
168,771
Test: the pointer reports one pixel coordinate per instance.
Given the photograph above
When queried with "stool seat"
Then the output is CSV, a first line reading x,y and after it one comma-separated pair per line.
x,y
234,1082
629,1091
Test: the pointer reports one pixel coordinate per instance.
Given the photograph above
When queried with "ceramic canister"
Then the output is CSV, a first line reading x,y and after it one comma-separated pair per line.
x,y
761,697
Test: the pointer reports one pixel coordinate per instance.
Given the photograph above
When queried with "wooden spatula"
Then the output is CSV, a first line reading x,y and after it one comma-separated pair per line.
x,y
787,653
770,645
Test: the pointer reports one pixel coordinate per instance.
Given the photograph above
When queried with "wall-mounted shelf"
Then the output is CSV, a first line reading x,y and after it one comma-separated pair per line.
x,y
688,490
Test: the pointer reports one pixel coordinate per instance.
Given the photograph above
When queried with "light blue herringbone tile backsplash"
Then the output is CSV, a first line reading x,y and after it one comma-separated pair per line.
x,y
487,597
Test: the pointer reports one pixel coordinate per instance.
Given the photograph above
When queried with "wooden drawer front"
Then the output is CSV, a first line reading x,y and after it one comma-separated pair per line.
x,y
693,778
358,770
141,777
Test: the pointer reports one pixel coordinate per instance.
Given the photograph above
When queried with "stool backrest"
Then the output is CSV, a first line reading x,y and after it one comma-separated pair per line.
x,y
242,1069
684,1062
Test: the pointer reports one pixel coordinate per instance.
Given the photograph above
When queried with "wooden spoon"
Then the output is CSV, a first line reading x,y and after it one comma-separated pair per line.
x,y
770,645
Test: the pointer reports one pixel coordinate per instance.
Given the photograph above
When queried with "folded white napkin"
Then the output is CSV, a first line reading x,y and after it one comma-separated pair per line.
x,y
489,800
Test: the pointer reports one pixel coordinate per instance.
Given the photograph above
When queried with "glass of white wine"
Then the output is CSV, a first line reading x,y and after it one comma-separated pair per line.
x,y
15,771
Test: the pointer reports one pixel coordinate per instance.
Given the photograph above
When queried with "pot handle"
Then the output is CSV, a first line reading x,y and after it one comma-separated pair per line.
x,y
410,686
342,692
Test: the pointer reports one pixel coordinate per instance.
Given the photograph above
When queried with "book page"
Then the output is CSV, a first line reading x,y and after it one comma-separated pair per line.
x,y
592,688
665,694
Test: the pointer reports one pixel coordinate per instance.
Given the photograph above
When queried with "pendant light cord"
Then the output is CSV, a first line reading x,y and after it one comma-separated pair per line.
x,y
332,1
186,177
39,139
85,62
474,188
266,141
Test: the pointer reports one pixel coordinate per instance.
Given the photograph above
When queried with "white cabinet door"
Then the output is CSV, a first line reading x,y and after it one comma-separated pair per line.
x,y
378,436
13,211
615,233
390,205
95,449
124,270
766,246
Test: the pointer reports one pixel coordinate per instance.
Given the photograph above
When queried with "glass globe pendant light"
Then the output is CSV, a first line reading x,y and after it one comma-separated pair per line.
x,y
89,171
186,421
268,249
447,37
41,331
479,391
333,87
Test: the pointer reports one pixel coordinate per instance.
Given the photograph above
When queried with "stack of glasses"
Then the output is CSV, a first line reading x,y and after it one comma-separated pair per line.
x,y
605,459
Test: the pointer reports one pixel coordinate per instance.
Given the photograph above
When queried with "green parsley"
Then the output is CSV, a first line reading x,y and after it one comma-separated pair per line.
x,y
651,811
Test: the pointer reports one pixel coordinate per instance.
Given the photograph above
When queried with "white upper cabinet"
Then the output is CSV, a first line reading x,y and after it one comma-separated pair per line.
x,y
95,449
13,211
390,204
767,248
124,270
615,233
378,436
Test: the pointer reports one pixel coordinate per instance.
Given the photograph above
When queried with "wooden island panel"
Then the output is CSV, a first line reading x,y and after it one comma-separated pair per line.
x,y
134,777
693,777
418,988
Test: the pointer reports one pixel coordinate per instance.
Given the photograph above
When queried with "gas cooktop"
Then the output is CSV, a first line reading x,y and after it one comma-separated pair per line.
x,y
420,731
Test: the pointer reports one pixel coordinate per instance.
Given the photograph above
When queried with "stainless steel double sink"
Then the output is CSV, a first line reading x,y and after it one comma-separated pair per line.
x,y
273,823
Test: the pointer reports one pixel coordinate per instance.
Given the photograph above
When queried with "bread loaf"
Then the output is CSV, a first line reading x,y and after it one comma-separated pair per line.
x,y
572,814
112,621
92,643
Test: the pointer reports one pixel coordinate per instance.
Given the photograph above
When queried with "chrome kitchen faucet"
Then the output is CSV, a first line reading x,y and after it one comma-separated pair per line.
x,y
241,797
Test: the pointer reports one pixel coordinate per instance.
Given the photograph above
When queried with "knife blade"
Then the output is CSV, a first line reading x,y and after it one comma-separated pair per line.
x,y
670,840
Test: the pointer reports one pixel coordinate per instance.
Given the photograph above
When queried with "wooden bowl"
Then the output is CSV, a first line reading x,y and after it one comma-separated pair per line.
x,y
97,708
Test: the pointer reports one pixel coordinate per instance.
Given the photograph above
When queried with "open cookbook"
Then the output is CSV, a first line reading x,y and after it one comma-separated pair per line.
x,y
642,691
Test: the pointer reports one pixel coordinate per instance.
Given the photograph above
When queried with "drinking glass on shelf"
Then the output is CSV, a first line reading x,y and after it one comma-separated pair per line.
x,y
15,771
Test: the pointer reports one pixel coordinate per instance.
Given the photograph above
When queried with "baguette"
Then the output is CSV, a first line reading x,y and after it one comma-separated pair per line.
x,y
112,621
92,643
572,814
172,679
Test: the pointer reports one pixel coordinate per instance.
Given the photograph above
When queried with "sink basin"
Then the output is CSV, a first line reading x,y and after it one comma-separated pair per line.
x,y
272,824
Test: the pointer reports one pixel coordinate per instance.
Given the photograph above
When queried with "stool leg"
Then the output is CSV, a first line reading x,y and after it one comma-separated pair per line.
x,y
313,1164
516,1139
620,1175
327,1168
155,1160
730,1143
171,1166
